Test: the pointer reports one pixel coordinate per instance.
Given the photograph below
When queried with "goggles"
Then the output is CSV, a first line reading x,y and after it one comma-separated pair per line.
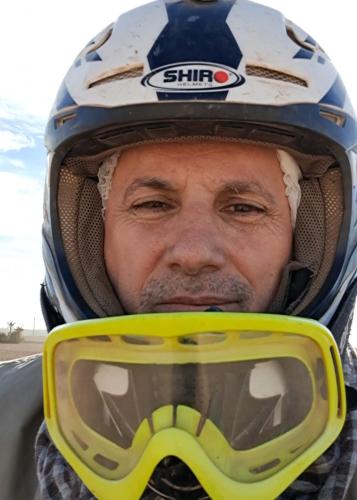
x,y
246,401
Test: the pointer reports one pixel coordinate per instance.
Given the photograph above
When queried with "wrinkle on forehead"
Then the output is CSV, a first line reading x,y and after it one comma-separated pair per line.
x,y
241,187
215,167
198,149
233,168
230,187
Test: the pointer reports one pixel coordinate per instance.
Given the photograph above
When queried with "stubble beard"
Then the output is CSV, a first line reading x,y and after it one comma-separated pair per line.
x,y
231,289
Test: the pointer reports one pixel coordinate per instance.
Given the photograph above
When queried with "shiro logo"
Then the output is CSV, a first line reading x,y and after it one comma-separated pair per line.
x,y
193,77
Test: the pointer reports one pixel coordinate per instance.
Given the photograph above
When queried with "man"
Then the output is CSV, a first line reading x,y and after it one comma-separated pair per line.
x,y
196,218
205,123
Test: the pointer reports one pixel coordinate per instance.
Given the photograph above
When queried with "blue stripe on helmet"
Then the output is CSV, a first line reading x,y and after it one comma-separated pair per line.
x,y
93,56
195,32
64,98
303,54
336,96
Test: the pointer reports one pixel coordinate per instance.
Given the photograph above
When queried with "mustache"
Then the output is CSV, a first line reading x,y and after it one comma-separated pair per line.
x,y
226,288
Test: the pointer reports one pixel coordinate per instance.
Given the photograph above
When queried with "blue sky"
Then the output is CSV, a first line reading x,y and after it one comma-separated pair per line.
x,y
41,40
22,168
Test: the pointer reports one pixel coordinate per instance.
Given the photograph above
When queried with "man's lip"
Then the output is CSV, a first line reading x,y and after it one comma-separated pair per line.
x,y
199,301
172,307
187,304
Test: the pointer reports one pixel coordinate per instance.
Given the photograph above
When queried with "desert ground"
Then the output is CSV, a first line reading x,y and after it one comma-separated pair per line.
x,y
31,345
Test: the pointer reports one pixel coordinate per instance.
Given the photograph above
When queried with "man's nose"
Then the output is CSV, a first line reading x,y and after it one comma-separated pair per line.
x,y
196,247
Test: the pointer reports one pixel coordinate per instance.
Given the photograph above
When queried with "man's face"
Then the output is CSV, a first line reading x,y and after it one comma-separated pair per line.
x,y
193,225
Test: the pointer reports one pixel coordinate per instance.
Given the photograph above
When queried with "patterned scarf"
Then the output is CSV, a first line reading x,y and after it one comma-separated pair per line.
x,y
328,478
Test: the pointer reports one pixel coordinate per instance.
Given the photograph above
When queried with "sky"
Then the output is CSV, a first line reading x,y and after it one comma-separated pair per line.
x,y
39,41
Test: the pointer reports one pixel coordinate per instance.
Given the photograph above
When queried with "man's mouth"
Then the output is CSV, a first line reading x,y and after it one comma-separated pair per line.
x,y
187,304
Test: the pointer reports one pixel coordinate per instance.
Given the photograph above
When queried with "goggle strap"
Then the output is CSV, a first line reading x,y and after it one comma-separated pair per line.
x,y
351,398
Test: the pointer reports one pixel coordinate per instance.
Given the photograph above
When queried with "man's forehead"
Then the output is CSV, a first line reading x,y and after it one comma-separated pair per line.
x,y
198,149
223,166
233,186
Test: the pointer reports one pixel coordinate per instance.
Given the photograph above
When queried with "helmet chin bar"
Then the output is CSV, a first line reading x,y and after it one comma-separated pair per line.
x,y
172,477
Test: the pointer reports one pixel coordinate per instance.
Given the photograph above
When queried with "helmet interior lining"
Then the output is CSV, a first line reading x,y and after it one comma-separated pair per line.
x,y
316,235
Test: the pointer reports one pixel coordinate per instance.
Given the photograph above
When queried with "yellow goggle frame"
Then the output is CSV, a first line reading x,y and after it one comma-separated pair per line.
x,y
182,338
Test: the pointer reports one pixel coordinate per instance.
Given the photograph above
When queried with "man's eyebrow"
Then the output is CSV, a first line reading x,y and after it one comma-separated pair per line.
x,y
243,187
148,182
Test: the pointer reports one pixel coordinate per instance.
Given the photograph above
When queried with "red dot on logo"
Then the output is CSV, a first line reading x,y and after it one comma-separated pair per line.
x,y
220,76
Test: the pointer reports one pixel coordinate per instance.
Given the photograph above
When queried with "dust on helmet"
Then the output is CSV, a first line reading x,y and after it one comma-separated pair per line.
x,y
180,69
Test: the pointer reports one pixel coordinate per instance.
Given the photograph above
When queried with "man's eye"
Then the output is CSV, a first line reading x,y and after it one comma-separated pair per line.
x,y
154,205
244,208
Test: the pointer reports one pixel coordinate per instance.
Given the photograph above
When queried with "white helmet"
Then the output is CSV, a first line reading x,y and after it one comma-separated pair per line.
x,y
176,69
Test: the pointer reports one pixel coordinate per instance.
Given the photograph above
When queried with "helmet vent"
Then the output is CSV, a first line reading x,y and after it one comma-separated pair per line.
x,y
96,44
333,117
62,119
123,73
303,44
171,479
272,74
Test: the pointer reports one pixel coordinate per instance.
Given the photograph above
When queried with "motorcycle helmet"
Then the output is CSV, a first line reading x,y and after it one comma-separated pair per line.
x,y
177,70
